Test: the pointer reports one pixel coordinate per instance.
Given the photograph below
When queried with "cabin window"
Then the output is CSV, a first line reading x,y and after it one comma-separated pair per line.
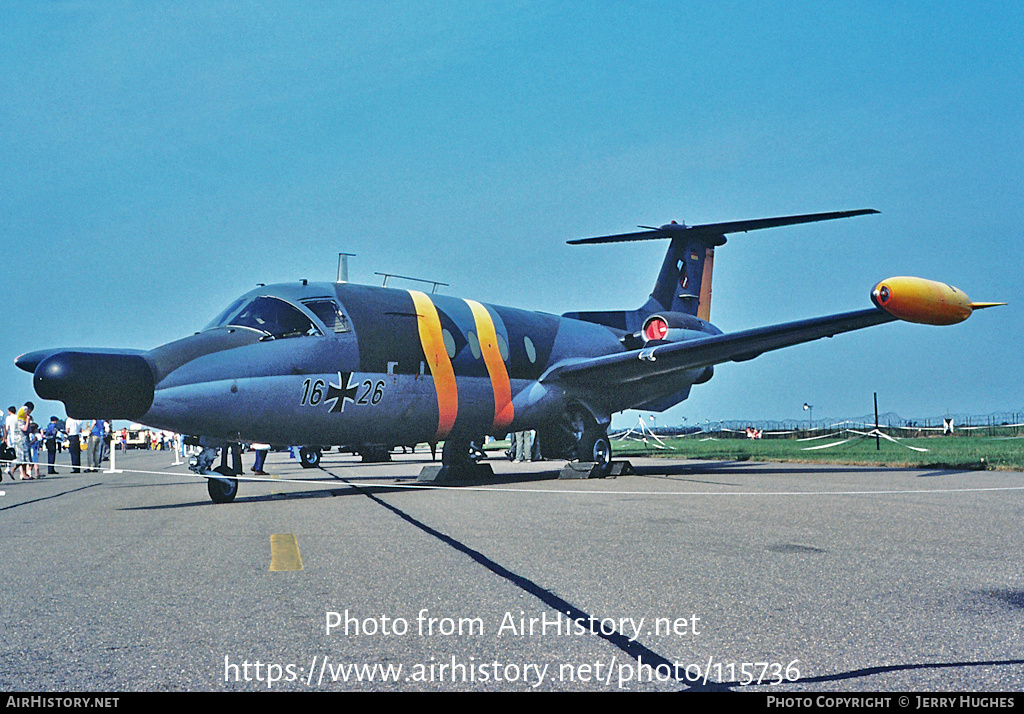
x,y
531,351
449,343
474,344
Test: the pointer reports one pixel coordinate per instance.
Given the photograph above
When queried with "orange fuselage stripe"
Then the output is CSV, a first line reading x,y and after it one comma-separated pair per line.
x,y
440,364
704,303
485,330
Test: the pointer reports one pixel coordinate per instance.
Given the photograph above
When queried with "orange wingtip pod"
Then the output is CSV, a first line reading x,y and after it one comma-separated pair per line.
x,y
925,301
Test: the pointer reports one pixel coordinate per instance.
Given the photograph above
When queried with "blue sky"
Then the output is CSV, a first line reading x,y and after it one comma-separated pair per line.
x,y
161,158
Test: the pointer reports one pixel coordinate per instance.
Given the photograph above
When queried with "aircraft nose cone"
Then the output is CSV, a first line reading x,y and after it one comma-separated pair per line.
x,y
97,385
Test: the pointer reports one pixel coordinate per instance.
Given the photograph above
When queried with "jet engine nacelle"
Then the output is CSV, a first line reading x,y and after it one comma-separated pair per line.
x,y
95,384
924,301
668,327
674,327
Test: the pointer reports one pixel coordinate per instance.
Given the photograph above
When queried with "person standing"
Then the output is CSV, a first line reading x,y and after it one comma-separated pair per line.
x,y
73,428
21,445
108,440
524,446
96,445
50,436
261,457
35,441
9,426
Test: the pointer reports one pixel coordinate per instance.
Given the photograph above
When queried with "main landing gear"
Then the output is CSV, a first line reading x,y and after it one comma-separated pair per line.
x,y
594,449
584,442
459,462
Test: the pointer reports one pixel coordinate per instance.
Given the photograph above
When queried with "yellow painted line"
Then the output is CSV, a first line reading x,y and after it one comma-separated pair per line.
x,y
284,552
485,330
440,364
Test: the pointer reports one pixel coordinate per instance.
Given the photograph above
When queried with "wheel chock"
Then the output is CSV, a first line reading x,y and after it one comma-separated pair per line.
x,y
438,473
589,469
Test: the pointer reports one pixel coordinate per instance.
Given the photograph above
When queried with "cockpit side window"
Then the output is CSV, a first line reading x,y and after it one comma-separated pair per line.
x,y
328,311
275,317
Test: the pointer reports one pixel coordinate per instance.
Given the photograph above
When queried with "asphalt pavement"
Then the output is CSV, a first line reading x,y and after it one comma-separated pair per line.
x,y
685,575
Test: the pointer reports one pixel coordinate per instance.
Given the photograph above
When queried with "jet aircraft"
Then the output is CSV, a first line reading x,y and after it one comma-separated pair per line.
x,y
346,364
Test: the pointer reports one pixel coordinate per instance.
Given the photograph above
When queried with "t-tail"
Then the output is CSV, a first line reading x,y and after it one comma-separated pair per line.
x,y
684,283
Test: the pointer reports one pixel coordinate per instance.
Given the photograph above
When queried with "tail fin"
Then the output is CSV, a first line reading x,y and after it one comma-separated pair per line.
x,y
684,283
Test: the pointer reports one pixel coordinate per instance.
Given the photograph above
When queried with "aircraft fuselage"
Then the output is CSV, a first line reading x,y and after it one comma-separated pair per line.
x,y
396,367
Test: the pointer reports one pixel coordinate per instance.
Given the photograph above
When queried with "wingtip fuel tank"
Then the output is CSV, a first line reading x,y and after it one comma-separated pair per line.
x,y
114,385
924,301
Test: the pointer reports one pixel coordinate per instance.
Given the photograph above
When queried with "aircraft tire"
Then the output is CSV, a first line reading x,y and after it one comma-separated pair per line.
x,y
222,490
595,447
309,457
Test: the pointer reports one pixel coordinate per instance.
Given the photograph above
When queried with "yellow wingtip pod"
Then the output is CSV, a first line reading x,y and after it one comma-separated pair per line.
x,y
925,301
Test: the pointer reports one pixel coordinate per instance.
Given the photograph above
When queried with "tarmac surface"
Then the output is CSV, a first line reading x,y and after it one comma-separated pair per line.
x,y
685,575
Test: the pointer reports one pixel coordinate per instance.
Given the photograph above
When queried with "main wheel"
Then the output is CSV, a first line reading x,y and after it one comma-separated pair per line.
x,y
309,457
595,447
222,490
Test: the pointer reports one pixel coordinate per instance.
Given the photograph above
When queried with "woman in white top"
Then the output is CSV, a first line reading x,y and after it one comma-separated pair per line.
x,y
21,445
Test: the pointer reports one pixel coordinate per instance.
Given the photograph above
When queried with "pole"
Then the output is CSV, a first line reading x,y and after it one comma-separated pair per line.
x,y
878,441
113,453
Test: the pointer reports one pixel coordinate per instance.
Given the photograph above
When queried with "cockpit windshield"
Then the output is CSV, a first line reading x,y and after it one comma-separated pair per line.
x,y
222,318
271,315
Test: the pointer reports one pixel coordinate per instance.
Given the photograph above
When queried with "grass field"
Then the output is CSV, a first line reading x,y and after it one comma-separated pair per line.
x,y
963,452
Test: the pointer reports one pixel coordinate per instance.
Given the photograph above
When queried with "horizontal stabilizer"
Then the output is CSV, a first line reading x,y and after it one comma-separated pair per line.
x,y
677,230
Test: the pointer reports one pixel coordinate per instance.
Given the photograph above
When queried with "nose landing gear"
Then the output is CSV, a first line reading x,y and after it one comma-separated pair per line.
x,y
222,490
219,485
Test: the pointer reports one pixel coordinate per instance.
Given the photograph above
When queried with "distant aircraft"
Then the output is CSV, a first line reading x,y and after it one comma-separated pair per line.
x,y
345,364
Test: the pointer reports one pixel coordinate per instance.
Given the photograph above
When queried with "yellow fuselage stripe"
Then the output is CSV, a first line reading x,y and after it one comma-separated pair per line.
x,y
440,364
485,330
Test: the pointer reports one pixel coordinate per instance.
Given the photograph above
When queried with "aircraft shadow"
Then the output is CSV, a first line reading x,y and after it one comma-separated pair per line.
x,y
343,486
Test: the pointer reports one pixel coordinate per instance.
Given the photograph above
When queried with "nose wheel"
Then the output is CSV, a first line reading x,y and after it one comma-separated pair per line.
x,y
222,490
309,457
